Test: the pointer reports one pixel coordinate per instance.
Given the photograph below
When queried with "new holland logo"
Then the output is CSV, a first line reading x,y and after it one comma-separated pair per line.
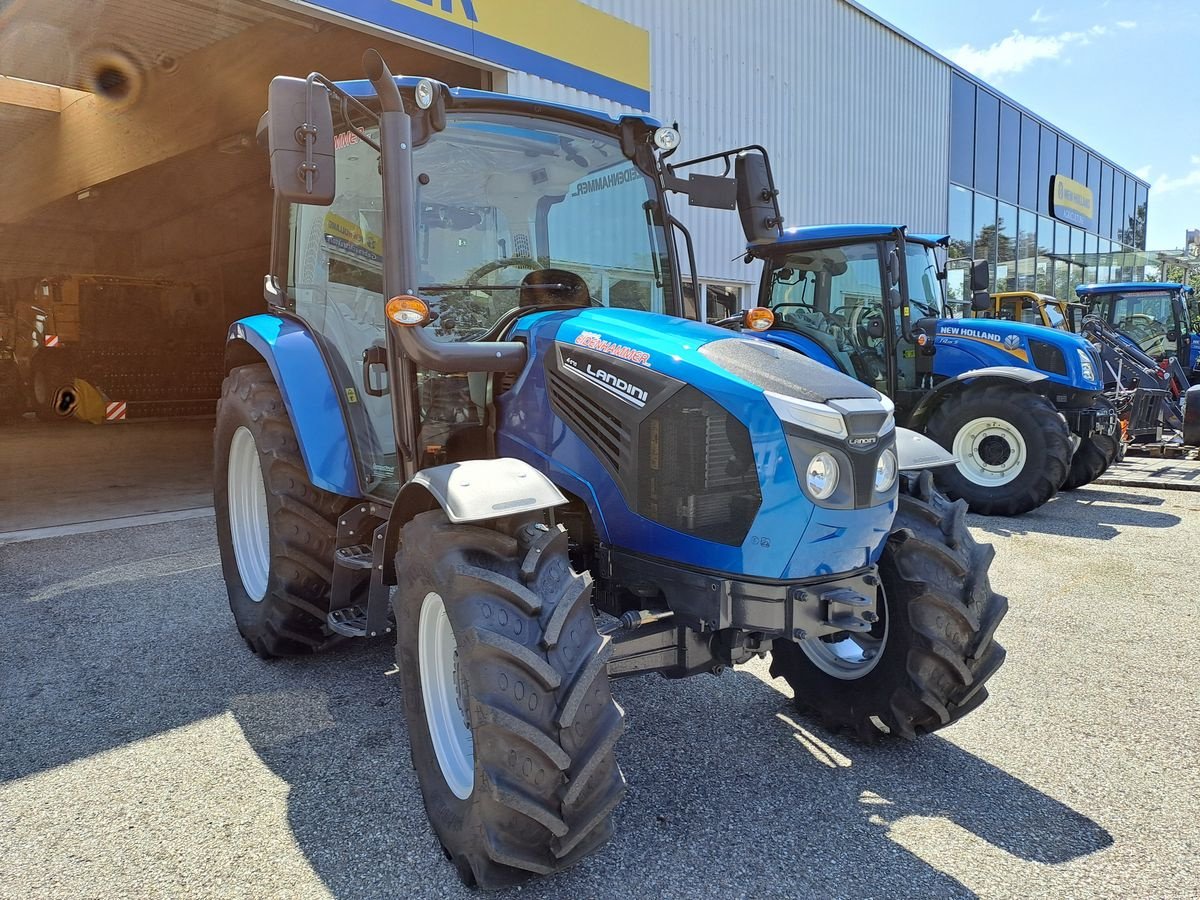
x,y
1012,341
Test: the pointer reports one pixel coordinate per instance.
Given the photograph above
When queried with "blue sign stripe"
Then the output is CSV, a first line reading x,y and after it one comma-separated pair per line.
x,y
453,36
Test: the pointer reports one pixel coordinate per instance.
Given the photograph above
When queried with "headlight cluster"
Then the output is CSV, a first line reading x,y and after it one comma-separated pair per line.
x,y
1085,365
858,465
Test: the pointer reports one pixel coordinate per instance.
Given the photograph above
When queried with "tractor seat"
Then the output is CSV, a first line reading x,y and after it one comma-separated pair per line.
x,y
553,287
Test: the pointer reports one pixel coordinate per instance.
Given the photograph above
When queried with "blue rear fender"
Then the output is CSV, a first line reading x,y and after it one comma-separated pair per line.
x,y
789,538
302,374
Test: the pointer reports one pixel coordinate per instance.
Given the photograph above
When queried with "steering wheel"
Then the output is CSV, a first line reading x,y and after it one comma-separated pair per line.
x,y
807,306
859,319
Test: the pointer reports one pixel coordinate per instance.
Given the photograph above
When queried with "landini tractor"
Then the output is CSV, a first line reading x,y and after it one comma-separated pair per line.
x,y
1020,406
474,384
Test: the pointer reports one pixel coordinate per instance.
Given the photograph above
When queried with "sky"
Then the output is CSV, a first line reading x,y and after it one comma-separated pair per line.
x,y
1117,75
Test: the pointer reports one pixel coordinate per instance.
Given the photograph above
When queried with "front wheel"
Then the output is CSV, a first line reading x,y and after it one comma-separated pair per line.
x,y
276,531
1013,448
925,663
506,693
1092,458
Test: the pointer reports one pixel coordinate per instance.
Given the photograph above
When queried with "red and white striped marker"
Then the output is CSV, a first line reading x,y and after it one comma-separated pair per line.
x,y
114,412
52,340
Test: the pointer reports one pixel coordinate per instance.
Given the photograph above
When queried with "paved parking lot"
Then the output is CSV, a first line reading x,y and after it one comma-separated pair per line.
x,y
144,752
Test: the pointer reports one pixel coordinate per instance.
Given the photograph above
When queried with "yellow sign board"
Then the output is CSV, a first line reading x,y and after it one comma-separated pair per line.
x,y
565,41
1072,202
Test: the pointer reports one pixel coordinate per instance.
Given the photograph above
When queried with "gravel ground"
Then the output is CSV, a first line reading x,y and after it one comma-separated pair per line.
x,y
144,752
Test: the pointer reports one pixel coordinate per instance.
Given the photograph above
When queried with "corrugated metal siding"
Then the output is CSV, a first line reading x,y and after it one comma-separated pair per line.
x,y
856,118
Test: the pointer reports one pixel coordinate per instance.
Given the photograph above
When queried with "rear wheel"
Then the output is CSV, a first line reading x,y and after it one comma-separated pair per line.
x,y
1013,448
276,531
925,663
506,692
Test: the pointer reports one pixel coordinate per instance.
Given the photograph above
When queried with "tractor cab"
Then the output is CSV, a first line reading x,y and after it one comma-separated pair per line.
x,y
1162,318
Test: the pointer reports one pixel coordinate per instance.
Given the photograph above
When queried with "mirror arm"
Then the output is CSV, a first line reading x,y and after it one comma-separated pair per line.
x,y
905,314
691,252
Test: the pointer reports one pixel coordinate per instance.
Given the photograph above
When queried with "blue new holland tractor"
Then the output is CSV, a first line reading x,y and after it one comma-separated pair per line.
x,y
1161,317
1020,406
474,417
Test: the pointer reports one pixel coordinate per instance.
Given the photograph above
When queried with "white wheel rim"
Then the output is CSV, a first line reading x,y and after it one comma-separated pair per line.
x,y
437,657
248,527
990,451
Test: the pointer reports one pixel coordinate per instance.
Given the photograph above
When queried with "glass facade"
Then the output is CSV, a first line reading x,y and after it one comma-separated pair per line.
x,y
1002,161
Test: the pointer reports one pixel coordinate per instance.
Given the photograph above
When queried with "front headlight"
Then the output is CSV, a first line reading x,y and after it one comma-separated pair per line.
x,y
885,472
821,476
1085,364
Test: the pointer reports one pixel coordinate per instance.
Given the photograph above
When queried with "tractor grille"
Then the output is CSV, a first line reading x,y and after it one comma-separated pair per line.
x,y
1048,358
696,469
603,432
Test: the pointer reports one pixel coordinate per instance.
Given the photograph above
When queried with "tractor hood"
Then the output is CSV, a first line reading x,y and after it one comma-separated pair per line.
x,y
696,353
692,442
1063,357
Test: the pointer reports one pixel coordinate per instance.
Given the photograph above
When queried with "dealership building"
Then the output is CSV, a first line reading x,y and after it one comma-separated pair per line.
x,y
863,124
130,133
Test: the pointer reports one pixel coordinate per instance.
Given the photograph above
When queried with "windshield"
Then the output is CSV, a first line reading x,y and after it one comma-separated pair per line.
x,y
1055,317
502,197
924,287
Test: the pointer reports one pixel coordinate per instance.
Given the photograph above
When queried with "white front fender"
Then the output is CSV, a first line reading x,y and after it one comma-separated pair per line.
x,y
915,451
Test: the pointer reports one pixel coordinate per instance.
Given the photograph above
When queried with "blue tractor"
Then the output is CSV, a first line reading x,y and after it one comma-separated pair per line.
x,y
1020,406
474,418
1162,318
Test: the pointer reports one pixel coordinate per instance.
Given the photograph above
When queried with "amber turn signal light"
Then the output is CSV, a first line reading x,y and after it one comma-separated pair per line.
x,y
759,318
408,310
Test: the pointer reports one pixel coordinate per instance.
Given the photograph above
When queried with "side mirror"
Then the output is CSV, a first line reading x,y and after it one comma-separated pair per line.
x,y
893,268
980,300
301,148
756,203
981,276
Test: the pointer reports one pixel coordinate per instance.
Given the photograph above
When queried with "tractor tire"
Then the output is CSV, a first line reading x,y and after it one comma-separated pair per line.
x,y
1092,459
933,647
506,692
276,545
46,379
1014,449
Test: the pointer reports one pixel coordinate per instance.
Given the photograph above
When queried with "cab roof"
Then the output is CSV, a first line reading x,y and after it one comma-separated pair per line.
x,y
815,235
467,97
1124,287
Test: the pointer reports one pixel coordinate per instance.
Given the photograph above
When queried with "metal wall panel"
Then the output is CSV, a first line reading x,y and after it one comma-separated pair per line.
x,y
856,117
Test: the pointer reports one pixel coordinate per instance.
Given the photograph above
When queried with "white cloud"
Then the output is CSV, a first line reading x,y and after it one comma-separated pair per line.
x,y
1127,23
1144,172
1018,51
1165,184
1039,17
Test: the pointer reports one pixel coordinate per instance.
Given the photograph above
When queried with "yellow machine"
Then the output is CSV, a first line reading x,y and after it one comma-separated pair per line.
x,y
1033,309
142,340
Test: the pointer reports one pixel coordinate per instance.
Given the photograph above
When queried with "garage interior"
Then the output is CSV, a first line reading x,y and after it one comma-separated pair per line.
x,y
128,152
